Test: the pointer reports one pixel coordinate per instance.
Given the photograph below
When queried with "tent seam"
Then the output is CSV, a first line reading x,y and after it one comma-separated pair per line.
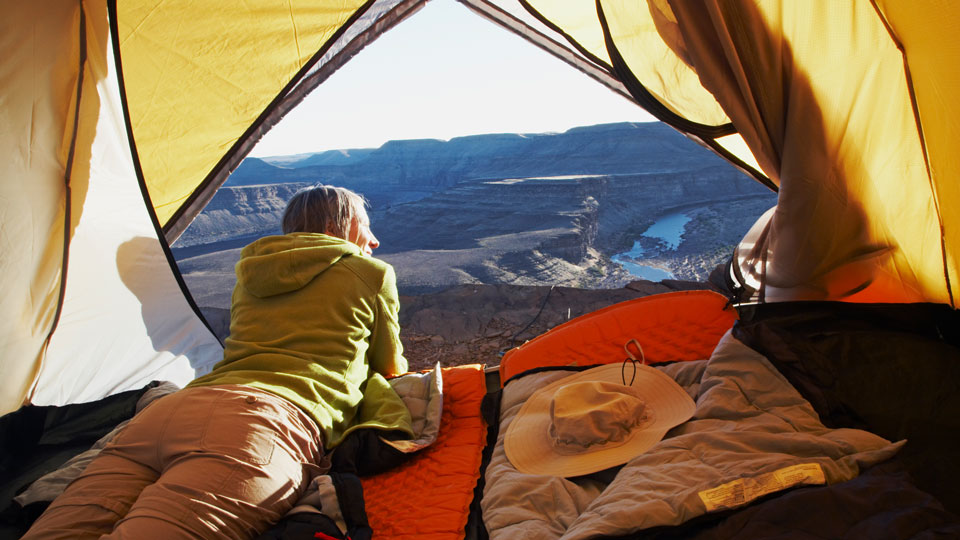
x,y
68,197
644,97
216,176
553,26
296,34
138,170
702,133
736,161
923,145
579,59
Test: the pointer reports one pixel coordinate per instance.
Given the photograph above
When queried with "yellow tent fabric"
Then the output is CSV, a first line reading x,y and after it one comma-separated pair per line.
x,y
35,122
93,305
121,318
820,95
844,106
197,74
83,267
848,107
640,43
927,32
634,30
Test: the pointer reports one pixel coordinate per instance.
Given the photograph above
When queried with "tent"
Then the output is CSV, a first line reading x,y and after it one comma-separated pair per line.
x,y
121,119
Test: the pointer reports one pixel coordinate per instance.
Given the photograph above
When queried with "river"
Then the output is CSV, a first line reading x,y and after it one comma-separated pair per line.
x,y
668,229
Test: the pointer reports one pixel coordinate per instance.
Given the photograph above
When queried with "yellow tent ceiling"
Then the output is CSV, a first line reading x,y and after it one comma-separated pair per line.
x,y
849,108
844,106
928,33
198,74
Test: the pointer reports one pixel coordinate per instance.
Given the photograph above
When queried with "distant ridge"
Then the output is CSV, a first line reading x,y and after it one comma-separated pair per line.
x,y
431,164
332,157
508,208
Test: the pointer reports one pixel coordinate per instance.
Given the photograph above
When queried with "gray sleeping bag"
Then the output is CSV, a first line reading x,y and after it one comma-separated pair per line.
x,y
752,435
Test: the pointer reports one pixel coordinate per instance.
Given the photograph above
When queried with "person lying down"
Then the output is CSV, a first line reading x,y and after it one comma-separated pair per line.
x,y
313,330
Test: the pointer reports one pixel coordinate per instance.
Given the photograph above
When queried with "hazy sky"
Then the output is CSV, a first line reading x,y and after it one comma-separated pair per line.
x,y
445,72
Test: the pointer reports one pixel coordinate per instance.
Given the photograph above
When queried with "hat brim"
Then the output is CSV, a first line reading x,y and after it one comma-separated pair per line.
x,y
527,442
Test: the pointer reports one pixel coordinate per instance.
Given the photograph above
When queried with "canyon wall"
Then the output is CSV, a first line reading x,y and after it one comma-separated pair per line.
x,y
511,209
435,164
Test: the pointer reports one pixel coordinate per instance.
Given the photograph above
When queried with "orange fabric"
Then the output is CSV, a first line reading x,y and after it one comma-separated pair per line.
x,y
683,325
428,497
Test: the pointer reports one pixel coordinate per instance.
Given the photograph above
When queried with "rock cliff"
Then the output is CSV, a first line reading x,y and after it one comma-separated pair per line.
x,y
239,212
435,164
470,324
567,226
498,209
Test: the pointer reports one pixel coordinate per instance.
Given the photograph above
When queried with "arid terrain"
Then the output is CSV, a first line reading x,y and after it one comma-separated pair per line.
x,y
497,238
476,324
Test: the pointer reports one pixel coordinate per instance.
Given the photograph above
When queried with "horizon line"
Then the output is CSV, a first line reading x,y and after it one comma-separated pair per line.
x,y
440,139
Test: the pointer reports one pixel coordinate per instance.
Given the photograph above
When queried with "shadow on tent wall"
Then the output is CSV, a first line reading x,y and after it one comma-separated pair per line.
x,y
135,260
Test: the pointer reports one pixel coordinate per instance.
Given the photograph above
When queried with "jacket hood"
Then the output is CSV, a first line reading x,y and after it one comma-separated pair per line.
x,y
280,264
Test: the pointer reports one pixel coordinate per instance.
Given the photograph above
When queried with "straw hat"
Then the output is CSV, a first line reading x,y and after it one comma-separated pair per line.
x,y
592,420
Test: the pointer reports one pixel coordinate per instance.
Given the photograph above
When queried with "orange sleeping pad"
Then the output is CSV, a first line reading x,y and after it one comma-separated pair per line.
x,y
428,497
684,325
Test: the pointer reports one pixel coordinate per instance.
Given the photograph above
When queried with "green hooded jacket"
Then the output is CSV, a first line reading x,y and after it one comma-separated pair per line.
x,y
314,321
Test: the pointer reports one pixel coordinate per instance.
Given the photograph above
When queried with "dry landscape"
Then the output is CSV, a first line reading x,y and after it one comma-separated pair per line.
x,y
497,238
476,324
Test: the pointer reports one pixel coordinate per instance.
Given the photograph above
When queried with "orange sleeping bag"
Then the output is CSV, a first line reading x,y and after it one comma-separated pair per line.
x,y
428,497
684,325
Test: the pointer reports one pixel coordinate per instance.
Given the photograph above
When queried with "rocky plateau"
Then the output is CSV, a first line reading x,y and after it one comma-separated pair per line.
x,y
496,238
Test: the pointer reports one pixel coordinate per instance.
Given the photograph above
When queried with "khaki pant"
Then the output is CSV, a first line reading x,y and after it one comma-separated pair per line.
x,y
206,462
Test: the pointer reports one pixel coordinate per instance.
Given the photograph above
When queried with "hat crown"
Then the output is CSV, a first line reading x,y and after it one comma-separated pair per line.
x,y
589,414
589,421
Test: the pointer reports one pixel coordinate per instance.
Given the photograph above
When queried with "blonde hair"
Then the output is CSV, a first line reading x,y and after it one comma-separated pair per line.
x,y
323,209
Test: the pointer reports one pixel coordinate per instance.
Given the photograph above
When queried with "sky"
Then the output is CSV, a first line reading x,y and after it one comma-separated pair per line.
x,y
445,72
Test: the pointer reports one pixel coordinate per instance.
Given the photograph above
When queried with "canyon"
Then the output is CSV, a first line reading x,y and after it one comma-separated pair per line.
x,y
511,213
